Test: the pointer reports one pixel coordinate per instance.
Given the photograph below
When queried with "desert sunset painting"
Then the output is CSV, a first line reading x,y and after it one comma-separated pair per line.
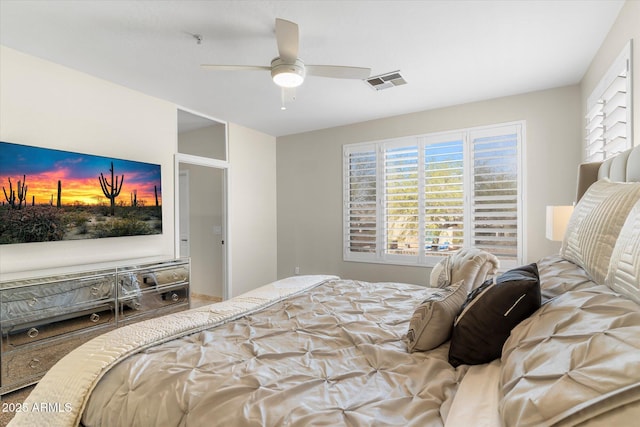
x,y
52,195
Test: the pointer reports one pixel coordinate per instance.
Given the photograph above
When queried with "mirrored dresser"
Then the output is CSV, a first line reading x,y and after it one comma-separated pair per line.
x,y
44,317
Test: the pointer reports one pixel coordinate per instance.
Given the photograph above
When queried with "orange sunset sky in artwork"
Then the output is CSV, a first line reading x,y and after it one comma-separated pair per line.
x,y
78,174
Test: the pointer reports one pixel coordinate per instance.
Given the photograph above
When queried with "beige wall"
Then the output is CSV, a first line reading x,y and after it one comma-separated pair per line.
x,y
209,141
626,27
252,210
310,177
47,105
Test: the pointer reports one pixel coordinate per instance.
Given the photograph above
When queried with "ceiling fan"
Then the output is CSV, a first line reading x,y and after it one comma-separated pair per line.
x,y
289,71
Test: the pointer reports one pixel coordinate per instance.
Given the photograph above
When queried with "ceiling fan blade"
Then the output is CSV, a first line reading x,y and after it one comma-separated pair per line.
x,y
287,37
338,72
234,67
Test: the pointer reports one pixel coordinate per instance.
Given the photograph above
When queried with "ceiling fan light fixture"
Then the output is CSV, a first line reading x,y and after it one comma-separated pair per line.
x,y
287,75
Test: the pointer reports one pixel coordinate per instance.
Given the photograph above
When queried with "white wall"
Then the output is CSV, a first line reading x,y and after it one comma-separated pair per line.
x,y
310,177
46,105
252,210
626,27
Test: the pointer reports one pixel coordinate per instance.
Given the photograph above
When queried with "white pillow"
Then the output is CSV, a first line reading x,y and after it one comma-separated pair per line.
x,y
595,225
441,274
474,266
624,270
432,321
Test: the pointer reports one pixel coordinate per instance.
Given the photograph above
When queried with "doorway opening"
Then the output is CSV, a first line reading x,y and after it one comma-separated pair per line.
x,y
201,205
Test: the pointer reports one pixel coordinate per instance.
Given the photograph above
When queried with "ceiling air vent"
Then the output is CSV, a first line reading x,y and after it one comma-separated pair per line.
x,y
387,80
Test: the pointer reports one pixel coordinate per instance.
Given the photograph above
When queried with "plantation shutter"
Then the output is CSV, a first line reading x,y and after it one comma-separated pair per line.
x,y
444,195
495,199
360,182
609,118
595,134
412,200
401,204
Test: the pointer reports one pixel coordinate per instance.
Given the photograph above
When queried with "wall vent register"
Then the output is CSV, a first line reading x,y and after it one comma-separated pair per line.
x,y
386,81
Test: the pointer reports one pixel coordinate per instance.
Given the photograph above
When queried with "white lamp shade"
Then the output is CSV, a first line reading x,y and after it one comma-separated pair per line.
x,y
557,221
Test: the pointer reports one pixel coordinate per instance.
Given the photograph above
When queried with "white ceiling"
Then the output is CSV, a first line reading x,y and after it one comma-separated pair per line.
x,y
450,52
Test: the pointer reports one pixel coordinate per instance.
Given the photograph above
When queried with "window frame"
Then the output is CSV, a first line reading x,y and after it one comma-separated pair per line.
x,y
423,258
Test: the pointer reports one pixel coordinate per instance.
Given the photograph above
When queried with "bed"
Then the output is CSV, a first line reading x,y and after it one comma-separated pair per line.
x,y
320,350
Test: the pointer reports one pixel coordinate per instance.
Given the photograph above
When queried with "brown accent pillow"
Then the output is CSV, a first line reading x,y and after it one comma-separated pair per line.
x,y
489,314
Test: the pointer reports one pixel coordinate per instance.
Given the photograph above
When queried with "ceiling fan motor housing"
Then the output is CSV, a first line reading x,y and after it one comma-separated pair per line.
x,y
287,74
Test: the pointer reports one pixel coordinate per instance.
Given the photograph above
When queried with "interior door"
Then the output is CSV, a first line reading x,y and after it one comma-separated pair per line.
x,y
202,226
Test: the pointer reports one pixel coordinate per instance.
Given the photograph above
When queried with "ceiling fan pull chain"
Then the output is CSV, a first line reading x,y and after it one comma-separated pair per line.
x,y
282,95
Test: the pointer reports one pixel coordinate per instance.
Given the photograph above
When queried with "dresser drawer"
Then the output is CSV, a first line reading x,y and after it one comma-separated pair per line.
x,y
161,277
28,333
27,365
150,301
32,303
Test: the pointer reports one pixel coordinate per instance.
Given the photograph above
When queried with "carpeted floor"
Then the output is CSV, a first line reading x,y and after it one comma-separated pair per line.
x,y
6,409
198,300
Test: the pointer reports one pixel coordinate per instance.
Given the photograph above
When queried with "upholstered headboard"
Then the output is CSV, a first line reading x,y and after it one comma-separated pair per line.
x,y
625,167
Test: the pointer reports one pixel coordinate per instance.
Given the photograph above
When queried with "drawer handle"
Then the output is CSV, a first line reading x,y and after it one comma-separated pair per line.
x,y
33,301
94,291
34,363
33,332
94,317
175,297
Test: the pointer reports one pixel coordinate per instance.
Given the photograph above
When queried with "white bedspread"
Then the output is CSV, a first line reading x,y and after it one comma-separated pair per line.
x,y
477,399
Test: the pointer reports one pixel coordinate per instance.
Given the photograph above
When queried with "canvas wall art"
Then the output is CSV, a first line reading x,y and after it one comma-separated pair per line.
x,y
50,195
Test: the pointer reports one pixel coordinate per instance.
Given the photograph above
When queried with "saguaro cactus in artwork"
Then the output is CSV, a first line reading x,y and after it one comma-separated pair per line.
x,y
22,192
21,195
111,189
11,197
59,200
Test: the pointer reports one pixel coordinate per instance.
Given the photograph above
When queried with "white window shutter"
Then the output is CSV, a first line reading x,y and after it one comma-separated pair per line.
x,y
411,200
609,117
495,198
401,204
360,199
444,195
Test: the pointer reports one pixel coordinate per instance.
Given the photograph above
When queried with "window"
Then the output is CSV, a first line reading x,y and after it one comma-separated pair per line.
x,y
413,200
609,116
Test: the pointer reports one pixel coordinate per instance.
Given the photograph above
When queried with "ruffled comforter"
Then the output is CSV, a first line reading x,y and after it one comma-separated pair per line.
x,y
335,355
575,359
